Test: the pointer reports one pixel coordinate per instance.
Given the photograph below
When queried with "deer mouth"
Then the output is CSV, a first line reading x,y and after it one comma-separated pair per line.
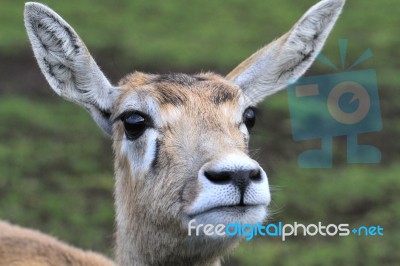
x,y
213,222
228,209
226,214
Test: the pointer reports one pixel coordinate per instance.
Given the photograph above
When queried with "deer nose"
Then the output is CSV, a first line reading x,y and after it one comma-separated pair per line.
x,y
240,178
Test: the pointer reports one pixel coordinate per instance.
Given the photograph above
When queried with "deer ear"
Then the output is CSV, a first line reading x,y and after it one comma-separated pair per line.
x,y
286,59
67,65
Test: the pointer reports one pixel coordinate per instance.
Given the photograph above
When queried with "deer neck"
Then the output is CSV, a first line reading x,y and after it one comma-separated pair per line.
x,y
142,239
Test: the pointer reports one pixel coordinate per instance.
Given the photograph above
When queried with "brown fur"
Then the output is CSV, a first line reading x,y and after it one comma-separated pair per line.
x,y
208,131
25,247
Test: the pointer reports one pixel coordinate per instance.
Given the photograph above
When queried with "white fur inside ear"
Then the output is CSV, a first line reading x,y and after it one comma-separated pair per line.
x,y
287,58
55,44
67,64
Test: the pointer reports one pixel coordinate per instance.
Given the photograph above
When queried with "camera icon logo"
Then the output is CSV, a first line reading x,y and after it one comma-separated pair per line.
x,y
339,104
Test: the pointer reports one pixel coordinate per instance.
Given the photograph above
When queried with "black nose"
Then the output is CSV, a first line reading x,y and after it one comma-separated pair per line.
x,y
240,178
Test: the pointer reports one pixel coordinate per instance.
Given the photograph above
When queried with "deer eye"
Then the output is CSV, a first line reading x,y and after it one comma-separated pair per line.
x,y
135,125
249,118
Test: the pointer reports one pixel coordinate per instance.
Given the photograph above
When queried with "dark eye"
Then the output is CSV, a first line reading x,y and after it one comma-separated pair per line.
x,y
249,118
135,125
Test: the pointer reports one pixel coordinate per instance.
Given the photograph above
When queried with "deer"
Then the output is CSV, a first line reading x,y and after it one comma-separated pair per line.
x,y
180,143
26,247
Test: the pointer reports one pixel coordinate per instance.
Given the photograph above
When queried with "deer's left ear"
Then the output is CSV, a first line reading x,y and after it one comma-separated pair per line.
x,y
286,59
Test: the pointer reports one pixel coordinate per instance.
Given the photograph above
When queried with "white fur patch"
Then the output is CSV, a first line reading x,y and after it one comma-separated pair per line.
x,y
140,152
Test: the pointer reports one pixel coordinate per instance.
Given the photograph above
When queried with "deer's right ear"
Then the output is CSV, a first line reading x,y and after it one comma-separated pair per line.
x,y
67,65
283,61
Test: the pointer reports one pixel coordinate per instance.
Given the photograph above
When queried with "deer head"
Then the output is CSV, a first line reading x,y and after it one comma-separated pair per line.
x,y
180,141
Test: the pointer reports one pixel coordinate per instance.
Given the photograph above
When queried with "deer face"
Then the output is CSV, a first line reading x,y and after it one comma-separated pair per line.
x,y
184,140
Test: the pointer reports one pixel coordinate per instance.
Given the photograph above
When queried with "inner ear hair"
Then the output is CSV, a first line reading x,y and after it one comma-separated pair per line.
x,y
67,64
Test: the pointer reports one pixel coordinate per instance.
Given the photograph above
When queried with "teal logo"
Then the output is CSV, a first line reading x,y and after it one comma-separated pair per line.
x,y
340,104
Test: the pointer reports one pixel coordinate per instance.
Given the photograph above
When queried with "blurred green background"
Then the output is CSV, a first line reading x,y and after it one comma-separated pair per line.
x,y
56,170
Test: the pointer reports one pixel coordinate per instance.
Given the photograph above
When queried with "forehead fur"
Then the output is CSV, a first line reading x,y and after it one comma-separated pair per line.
x,y
182,89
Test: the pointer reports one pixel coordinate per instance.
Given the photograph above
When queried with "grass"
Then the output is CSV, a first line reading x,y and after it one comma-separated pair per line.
x,y
56,170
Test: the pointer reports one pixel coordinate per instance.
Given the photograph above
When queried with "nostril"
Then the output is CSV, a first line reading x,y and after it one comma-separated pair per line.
x,y
220,178
225,177
255,175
